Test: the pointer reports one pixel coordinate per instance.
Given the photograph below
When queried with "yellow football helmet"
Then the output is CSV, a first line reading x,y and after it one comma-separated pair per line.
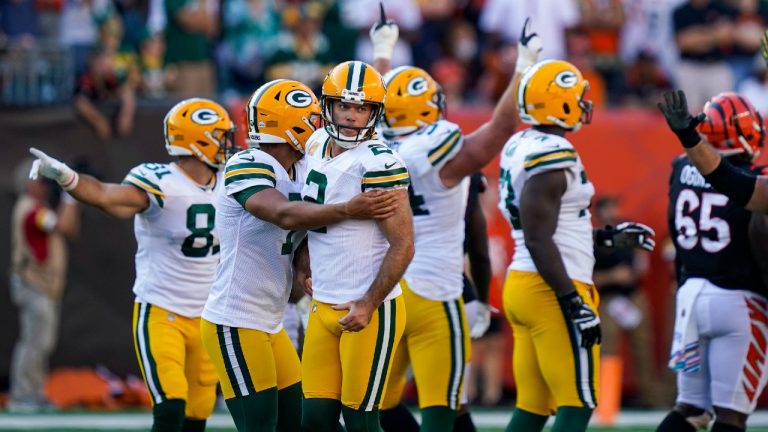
x,y
282,111
200,128
551,92
414,99
357,83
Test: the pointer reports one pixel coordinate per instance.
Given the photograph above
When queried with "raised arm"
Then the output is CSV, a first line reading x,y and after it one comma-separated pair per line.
x,y
482,145
118,200
744,188
398,230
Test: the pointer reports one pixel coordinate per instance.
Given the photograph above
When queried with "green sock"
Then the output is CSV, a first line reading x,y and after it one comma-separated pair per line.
x,y
289,409
359,420
193,425
320,415
572,419
524,421
256,412
437,419
235,407
169,416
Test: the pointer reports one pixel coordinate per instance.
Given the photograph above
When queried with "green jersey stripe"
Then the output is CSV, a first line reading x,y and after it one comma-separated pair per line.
x,y
249,165
533,156
386,173
550,162
231,179
384,185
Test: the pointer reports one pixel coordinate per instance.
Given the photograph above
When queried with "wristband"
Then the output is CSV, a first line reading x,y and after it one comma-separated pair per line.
x,y
688,137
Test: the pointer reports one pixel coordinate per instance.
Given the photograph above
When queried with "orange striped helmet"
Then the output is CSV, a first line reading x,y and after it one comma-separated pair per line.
x,y
733,125
357,83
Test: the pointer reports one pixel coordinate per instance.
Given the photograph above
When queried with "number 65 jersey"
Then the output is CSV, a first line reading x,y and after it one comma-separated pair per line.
x,y
710,232
531,152
178,246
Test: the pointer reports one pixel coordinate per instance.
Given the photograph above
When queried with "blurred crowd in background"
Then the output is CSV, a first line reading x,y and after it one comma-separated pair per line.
x,y
113,51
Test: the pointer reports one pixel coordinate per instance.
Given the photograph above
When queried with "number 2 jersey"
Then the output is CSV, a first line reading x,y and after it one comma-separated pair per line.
x,y
255,275
531,152
710,232
178,246
438,212
345,258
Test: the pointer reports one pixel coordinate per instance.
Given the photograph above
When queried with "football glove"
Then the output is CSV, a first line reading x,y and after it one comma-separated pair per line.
x,y
384,35
53,169
626,235
583,318
482,320
680,121
528,48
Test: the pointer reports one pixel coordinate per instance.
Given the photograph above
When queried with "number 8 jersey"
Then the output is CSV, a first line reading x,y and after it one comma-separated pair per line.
x,y
178,246
531,152
710,232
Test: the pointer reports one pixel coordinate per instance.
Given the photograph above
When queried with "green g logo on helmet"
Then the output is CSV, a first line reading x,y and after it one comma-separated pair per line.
x,y
298,98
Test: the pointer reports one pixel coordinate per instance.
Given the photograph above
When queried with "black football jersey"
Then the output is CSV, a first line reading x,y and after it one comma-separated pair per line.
x,y
710,232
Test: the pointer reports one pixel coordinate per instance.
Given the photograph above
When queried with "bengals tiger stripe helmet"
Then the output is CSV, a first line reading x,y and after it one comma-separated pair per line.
x,y
551,92
200,128
733,126
282,111
357,83
414,99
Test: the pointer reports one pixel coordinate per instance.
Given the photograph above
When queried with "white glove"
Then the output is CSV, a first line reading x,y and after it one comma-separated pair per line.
x,y
482,321
302,307
53,169
384,35
528,48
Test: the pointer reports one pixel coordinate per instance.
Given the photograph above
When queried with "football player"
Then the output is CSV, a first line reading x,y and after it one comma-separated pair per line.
x,y
719,345
440,160
176,258
260,222
357,315
549,298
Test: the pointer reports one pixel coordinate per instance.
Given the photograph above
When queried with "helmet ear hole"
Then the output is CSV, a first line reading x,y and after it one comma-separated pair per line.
x,y
566,108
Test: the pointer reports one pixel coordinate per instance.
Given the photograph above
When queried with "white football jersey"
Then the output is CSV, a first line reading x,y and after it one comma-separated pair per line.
x,y
254,277
346,257
531,152
178,245
438,212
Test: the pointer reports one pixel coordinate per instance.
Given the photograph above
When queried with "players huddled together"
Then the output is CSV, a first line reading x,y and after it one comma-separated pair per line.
x,y
352,205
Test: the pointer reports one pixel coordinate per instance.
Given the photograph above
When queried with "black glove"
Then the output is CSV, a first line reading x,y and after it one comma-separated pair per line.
x,y
583,318
626,235
682,123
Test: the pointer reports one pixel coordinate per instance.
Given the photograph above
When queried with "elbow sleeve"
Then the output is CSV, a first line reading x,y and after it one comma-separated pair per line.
x,y
733,182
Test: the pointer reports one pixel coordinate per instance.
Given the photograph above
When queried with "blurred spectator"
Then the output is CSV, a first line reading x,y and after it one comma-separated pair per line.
x,y
459,61
248,30
756,86
188,32
151,52
80,20
18,23
38,274
341,37
648,28
580,54
623,305
503,20
133,14
748,29
646,82
704,31
362,14
437,24
602,21
302,52
111,79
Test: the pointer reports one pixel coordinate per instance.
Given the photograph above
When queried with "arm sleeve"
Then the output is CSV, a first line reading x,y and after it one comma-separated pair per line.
x,y
144,178
552,154
249,169
384,171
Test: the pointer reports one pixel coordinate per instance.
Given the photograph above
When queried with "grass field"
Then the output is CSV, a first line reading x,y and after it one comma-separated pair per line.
x,y
486,420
